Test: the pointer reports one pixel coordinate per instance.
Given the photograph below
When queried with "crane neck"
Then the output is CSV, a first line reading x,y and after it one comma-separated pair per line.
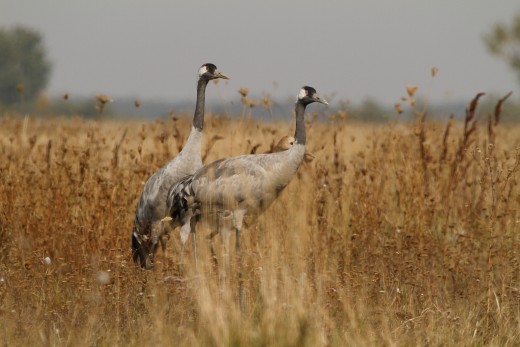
x,y
299,134
198,118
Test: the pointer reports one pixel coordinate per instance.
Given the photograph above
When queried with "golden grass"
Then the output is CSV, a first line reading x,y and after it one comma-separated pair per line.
x,y
395,234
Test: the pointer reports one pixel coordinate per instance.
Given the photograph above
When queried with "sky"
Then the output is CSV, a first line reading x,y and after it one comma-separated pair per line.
x,y
347,50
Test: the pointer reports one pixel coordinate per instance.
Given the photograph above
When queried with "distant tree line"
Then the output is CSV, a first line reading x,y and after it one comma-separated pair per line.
x,y
504,41
25,70
24,66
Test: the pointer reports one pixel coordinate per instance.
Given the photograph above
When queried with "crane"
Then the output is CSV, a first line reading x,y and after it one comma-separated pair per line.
x,y
148,226
228,189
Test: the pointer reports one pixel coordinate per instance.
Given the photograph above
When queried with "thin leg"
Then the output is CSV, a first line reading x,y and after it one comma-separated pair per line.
x,y
193,222
185,233
239,264
181,259
213,253
224,270
194,242
211,248
238,217
237,242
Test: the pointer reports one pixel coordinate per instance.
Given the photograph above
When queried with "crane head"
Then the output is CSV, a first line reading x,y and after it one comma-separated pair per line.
x,y
209,72
308,95
143,249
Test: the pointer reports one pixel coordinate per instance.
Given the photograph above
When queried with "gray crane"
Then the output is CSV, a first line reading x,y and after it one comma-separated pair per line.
x,y
149,228
224,191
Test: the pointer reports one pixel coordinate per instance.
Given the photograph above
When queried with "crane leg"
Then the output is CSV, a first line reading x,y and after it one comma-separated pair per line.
x,y
224,270
194,242
238,216
181,259
237,242
211,248
185,233
239,275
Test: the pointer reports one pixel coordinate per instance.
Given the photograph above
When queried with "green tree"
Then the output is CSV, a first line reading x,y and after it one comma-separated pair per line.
x,y
504,41
24,67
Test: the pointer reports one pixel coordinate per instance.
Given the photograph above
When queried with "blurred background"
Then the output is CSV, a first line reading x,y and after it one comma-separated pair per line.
x,y
56,57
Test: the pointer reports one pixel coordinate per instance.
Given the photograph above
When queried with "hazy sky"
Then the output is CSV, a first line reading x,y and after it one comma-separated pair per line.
x,y
353,49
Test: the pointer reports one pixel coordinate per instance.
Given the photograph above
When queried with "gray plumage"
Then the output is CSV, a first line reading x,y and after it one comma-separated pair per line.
x,y
149,228
228,189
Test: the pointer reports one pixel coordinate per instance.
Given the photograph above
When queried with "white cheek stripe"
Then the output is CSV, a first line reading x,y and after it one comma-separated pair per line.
x,y
302,94
203,70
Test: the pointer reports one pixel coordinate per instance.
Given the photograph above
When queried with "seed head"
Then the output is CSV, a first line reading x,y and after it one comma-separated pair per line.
x,y
266,102
411,90
103,99
243,91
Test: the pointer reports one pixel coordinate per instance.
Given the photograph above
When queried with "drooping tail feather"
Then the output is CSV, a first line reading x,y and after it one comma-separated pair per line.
x,y
181,198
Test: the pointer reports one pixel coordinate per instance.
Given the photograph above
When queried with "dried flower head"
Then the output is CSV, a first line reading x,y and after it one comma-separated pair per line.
x,y
266,102
243,91
411,90
249,102
103,99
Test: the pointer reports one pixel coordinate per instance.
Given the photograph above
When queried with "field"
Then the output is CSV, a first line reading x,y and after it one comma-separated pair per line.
x,y
403,233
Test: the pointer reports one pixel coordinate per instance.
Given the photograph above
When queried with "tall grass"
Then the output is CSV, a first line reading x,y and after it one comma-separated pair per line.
x,y
396,234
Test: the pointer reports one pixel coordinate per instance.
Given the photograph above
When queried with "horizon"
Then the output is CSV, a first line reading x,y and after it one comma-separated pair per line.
x,y
347,51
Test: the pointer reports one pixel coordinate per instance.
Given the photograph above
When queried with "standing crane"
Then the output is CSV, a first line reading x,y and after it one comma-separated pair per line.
x,y
224,191
151,208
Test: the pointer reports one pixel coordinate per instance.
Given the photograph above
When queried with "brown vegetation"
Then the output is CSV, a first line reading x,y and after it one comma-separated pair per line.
x,y
403,233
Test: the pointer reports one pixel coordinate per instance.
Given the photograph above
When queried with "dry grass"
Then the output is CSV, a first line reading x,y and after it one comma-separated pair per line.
x,y
404,234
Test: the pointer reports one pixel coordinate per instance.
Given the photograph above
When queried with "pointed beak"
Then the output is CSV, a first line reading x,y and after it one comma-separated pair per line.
x,y
320,100
219,74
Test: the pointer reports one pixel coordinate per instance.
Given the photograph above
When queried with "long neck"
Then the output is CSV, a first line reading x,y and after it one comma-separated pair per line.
x,y
198,118
286,163
299,134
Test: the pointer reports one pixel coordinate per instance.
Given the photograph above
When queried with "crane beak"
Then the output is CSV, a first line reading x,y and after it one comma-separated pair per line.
x,y
320,100
218,74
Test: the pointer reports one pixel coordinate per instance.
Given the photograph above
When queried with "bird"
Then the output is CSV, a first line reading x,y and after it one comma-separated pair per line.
x,y
225,191
149,227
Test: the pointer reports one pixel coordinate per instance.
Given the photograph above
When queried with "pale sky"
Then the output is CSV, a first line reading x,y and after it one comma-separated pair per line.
x,y
350,50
